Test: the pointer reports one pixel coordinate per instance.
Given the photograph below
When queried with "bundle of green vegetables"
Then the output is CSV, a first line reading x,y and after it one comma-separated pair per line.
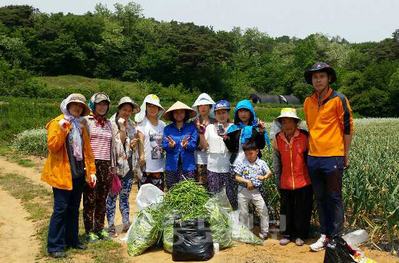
x,y
220,223
167,237
242,233
187,199
145,231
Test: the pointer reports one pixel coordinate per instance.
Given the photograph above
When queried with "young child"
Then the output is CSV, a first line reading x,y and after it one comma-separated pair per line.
x,y
250,175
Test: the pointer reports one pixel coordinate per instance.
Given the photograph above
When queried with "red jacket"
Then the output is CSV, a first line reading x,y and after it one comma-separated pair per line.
x,y
294,170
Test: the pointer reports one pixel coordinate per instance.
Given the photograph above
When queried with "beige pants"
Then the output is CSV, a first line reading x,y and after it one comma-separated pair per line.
x,y
244,197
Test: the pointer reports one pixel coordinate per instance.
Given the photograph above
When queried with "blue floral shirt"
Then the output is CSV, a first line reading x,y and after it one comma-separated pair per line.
x,y
250,171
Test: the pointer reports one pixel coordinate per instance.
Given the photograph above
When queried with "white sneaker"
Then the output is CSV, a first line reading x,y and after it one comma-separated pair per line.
x,y
320,244
263,235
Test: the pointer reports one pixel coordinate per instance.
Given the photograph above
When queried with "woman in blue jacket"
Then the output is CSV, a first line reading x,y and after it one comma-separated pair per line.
x,y
246,127
180,140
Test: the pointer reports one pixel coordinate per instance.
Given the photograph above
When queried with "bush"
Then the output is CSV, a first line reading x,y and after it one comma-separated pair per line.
x,y
22,114
32,142
17,82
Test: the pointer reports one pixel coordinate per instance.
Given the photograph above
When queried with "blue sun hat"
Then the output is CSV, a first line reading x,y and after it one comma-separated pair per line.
x,y
222,105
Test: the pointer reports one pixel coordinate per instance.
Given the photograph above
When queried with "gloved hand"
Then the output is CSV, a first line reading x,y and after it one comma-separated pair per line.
x,y
93,180
122,124
63,124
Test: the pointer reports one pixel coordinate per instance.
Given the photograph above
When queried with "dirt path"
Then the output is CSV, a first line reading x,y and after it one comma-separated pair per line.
x,y
33,173
17,243
271,252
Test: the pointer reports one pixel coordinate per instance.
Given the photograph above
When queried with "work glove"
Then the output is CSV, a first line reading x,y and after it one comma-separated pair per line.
x,y
122,124
63,124
93,180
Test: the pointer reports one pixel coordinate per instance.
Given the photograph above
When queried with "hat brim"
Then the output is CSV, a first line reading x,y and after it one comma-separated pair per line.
x,y
179,106
282,116
223,108
86,109
330,71
167,115
136,107
156,104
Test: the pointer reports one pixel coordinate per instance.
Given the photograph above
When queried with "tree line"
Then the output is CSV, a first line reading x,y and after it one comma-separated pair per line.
x,y
123,44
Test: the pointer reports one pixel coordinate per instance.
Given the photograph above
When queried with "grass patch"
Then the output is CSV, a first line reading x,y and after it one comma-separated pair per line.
x,y
35,201
38,202
25,163
12,156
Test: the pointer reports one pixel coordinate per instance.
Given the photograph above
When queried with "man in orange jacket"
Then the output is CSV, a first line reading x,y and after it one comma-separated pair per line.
x,y
330,122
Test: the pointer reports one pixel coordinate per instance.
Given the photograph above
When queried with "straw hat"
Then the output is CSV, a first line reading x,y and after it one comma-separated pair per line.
x,y
78,98
179,106
288,113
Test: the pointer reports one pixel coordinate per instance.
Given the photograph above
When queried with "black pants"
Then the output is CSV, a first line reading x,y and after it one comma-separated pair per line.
x,y
64,222
296,210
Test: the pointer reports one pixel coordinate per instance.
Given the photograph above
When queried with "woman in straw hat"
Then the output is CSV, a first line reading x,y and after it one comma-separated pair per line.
x,y
150,130
289,163
180,140
127,162
70,163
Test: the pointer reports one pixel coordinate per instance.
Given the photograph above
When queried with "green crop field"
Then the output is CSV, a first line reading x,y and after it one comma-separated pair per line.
x,y
371,184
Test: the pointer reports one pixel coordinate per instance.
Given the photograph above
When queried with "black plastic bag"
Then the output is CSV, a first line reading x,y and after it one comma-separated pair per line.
x,y
192,241
338,251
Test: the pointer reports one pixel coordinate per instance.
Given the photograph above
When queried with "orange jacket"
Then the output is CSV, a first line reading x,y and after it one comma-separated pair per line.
x,y
57,170
294,171
328,123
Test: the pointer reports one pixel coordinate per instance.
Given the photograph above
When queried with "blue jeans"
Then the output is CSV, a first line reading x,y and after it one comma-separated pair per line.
x,y
326,175
64,222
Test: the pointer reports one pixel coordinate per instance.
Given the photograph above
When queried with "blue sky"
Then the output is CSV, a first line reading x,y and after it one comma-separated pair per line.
x,y
354,20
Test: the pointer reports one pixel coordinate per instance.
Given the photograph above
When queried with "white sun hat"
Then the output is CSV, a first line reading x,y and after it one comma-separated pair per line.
x,y
204,99
151,99
285,113
288,113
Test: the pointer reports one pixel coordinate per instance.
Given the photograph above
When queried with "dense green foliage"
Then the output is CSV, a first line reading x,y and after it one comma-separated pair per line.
x,y
182,57
19,115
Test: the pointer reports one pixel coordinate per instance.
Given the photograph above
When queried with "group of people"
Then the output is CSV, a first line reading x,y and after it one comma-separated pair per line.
x,y
100,158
